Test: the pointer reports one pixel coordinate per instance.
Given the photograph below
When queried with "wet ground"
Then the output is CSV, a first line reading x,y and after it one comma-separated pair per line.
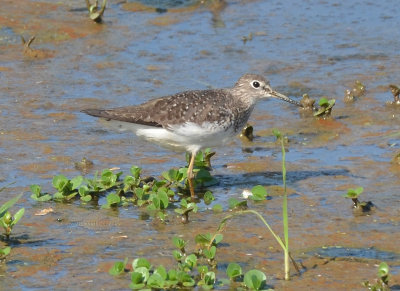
x,y
144,50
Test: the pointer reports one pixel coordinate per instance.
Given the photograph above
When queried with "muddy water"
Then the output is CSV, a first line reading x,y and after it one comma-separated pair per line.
x,y
318,48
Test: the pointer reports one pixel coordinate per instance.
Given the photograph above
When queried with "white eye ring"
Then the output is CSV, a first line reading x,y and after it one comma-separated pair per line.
x,y
255,84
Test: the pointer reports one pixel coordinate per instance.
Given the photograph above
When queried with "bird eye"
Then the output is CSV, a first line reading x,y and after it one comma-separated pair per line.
x,y
255,84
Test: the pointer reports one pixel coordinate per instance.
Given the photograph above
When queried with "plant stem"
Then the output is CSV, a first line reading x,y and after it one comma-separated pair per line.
x,y
223,222
285,215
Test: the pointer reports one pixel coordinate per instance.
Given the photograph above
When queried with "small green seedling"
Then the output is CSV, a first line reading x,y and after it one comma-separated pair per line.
x,y
208,281
382,283
185,209
202,168
234,271
66,189
106,181
179,244
132,182
84,193
139,278
141,262
114,200
176,178
202,159
7,220
38,195
159,202
259,193
204,178
95,13
118,268
325,108
210,253
203,270
208,239
255,280
353,194
189,263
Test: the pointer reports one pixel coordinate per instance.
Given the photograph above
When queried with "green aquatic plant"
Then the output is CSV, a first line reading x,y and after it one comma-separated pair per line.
x,y
255,280
192,269
353,194
4,252
7,220
258,193
202,166
156,195
66,188
382,283
118,268
285,242
234,271
38,195
185,209
325,107
237,204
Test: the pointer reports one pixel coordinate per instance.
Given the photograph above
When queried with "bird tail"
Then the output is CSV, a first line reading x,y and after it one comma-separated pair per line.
x,y
94,112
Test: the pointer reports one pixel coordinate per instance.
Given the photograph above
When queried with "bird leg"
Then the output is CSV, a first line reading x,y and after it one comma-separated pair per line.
x,y
190,174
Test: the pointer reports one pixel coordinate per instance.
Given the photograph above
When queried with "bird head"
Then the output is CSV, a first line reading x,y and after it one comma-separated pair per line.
x,y
257,87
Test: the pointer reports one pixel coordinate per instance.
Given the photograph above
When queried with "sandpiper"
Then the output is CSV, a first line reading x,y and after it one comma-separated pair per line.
x,y
193,120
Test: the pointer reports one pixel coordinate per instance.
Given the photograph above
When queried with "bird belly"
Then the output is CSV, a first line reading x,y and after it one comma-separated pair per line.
x,y
185,137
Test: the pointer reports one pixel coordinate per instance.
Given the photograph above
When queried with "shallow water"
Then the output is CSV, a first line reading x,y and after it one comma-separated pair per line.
x,y
318,48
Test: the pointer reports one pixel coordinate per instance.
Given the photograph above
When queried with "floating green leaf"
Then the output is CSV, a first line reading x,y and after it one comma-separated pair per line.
x,y
383,269
118,268
259,193
210,253
353,193
234,270
17,216
255,279
155,281
179,243
236,204
113,199
140,262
